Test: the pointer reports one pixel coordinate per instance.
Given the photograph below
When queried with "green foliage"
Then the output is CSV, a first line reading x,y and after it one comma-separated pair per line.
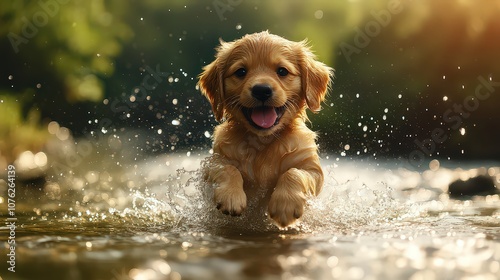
x,y
72,42
18,133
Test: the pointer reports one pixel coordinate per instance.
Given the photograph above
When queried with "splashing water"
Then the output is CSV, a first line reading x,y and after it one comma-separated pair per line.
x,y
156,219
182,201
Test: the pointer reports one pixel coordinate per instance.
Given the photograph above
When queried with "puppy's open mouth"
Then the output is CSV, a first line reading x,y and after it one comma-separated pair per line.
x,y
263,117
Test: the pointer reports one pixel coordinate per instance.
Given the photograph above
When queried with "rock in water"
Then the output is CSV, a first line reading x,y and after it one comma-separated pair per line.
x,y
479,185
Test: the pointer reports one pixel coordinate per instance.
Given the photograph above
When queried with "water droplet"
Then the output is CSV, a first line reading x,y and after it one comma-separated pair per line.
x,y
347,147
63,133
207,134
174,101
399,96
238,26
445,98
365,128
11,77
40,159
176,122
53,127
318,14
160,131
462,131
444,77
434,165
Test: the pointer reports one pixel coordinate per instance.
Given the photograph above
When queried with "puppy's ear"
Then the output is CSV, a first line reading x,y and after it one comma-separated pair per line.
x,y
212,87
315,77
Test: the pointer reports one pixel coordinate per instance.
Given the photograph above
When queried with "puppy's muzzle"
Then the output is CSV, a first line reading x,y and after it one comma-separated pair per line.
x,y
263,116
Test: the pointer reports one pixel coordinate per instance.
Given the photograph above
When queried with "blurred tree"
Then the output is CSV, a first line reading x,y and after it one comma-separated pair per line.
x,y
55,55
420,67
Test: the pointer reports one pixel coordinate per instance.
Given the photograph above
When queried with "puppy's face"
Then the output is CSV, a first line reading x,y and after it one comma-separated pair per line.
x,y
263,82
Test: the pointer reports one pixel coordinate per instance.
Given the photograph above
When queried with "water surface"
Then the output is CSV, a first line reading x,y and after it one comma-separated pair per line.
x,y
155,219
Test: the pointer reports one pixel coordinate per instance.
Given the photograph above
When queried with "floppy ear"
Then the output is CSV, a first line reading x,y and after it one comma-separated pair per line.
x,y
315,78
212,87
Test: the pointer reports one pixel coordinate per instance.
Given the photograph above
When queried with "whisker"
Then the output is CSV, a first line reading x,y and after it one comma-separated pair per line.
x,y
292,104
232,102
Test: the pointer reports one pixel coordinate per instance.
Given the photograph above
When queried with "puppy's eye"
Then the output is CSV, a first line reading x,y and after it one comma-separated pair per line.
x,y
240,73
282,71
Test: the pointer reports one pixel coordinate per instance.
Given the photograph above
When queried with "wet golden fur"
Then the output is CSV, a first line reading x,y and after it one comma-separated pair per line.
x,y
282,158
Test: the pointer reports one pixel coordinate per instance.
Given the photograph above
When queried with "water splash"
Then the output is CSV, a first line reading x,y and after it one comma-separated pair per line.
x,y
184,202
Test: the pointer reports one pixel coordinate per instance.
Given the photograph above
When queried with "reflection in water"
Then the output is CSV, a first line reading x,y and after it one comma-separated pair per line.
x,y
157,220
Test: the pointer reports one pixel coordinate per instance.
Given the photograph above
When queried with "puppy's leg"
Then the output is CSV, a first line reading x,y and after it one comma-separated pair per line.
x,y
289,197
229,195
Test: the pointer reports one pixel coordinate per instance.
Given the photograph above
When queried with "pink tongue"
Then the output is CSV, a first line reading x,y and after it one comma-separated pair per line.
x,y
264,117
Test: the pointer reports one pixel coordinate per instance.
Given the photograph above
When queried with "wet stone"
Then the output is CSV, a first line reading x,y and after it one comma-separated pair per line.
x,y
479,185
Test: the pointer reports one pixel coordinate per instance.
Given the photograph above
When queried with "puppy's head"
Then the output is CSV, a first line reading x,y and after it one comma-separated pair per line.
x,y
264,81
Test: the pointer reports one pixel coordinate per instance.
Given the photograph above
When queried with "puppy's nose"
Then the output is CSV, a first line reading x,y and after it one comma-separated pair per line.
x,y
262,92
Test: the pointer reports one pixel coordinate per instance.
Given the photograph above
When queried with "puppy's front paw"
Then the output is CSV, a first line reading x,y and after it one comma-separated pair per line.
x,y
230,200
286,207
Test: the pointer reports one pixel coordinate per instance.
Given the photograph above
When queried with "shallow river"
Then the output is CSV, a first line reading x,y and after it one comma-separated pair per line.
x,y
155,219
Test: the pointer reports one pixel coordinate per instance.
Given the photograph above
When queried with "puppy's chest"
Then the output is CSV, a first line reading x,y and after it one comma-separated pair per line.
x,y
260,165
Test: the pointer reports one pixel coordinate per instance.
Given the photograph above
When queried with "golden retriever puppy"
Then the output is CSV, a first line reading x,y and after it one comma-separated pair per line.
x,y
259,87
